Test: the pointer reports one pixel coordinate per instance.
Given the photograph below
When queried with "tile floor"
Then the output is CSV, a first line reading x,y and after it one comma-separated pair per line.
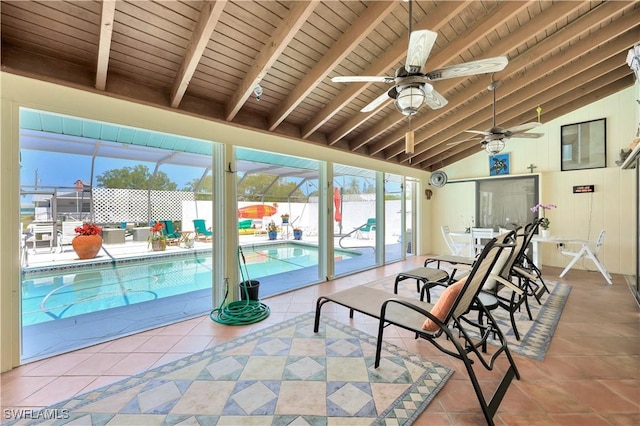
x,y
590,376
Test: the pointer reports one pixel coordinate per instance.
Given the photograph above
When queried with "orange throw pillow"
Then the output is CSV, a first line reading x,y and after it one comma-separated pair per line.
x,y
443,305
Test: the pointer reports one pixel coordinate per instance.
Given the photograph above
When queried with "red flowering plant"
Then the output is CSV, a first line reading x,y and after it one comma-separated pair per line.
x,y
157,233
88,228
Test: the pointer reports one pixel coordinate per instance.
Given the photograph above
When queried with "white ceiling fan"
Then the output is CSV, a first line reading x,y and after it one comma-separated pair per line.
x,y
493,140
411,87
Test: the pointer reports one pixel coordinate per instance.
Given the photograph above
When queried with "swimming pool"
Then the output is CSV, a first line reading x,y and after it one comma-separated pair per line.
x,y
56,294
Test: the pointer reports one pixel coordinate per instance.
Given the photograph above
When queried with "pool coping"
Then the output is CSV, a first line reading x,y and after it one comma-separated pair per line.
x,y
107,260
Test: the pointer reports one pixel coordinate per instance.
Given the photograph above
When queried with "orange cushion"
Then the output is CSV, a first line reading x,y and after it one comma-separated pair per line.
x,y
443,305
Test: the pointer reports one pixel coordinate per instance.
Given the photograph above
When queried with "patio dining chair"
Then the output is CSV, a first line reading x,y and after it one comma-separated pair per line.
x,y
202,232
67,234
479,236
587,252
455,247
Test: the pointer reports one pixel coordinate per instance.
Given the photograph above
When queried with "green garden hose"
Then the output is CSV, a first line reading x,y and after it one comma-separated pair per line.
x,y
240,312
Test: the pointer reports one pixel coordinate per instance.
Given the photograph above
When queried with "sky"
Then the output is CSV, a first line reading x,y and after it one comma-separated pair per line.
x,y
63,170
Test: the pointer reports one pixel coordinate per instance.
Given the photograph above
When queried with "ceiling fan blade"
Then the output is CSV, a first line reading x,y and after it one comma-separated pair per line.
x,y
480,66
362,79
376,103
527,135
480,132
524,127
475,138
420,44
434,99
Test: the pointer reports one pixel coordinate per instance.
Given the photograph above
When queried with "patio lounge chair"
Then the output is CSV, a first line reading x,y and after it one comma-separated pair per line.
x,y
67,234
202,232
173,236
443,320
526,270
367,227
245,224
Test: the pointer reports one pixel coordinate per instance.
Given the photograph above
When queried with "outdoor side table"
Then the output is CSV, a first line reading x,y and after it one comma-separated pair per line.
x,y
141,234
113,236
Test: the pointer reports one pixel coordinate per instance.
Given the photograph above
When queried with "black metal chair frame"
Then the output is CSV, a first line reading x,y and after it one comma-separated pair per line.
x,y
526,271
422,276
409,314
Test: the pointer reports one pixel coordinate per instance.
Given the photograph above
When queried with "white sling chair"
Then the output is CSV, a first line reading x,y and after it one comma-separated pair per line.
x,y
590,254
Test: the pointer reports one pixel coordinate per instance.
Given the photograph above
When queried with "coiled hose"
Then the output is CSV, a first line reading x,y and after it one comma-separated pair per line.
x,y
240,312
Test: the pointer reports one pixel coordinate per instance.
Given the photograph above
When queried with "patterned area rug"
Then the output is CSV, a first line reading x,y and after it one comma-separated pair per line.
x,y
535,336
283,375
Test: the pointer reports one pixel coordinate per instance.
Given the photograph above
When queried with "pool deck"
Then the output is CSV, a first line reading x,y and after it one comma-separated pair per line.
x,y
64,334
64,256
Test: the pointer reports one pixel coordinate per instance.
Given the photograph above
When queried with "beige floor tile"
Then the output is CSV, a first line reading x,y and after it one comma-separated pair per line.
x,y
590,375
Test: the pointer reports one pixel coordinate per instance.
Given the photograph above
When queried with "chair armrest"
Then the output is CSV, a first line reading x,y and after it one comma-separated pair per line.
x,y
507,284
524,273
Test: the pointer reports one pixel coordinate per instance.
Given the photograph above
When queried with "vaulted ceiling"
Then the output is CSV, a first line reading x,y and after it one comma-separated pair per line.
x,y
205,58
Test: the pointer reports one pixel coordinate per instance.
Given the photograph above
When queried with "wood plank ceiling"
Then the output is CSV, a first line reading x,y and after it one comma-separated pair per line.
x,y
206,58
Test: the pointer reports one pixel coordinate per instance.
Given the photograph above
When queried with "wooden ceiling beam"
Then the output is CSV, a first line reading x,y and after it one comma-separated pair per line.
x,y
542,76
551,111
519,36
561,110
577,29
437,18
278,42
351,38
526,105
104,42
207,21
577,95
483,26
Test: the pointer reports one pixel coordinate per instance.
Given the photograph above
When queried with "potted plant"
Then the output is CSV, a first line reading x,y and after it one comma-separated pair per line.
x,y
272,230
157,240
544,222
285,218
297,233
88,240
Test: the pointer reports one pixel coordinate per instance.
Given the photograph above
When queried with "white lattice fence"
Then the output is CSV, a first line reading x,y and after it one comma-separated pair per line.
x,y
167,205
134,205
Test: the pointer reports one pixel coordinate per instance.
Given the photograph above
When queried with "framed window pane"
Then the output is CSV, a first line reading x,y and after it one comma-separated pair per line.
x,y
584,145
506,202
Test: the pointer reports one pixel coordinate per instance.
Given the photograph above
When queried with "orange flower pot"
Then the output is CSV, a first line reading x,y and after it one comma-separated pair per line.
x,y
87,246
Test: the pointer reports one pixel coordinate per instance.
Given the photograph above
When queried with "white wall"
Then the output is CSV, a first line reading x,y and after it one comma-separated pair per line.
x,y
610,207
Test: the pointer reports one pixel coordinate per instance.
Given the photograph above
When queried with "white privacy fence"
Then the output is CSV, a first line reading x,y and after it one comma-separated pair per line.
x,y
137,205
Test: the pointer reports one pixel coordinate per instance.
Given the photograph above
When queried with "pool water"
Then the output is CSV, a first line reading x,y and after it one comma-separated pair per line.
x,y
52,295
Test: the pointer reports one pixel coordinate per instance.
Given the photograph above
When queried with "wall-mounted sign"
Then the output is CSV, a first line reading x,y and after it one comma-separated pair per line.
x,y
583,188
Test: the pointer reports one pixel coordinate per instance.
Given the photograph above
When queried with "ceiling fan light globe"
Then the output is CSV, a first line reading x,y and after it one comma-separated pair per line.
x,y
495,146
410,99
